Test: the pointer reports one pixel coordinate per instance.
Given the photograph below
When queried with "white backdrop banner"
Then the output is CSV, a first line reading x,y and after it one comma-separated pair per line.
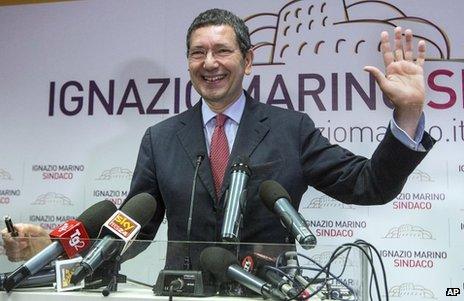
x,y
81,81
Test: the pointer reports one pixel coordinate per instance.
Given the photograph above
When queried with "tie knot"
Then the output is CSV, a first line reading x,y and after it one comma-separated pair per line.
x,y
220,120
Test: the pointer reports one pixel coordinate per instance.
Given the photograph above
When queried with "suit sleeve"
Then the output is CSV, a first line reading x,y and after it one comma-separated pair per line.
x,y
354,179
144,180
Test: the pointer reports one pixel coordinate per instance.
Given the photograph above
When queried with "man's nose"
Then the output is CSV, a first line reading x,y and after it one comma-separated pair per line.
x,y
210,61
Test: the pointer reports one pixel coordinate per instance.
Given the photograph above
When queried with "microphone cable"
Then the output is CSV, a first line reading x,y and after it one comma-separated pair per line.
x,y
339,251
371,263
371,247
175,284
321,268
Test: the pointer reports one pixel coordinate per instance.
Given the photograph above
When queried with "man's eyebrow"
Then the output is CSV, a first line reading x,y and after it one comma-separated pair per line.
x,y
219,45
197,47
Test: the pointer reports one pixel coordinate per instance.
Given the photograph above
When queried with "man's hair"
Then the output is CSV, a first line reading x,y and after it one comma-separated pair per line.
x,y
218,17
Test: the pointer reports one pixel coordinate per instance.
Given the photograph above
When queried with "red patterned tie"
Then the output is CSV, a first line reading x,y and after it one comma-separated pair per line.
x,y
219,153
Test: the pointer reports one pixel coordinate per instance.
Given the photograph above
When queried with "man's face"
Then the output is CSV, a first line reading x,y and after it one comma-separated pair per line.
x,y
217,66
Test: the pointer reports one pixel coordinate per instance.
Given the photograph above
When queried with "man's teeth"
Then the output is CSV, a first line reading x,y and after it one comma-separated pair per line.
x,y
213,78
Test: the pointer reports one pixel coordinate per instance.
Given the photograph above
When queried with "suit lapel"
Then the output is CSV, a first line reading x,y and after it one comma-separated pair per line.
x,y
192,138
251,132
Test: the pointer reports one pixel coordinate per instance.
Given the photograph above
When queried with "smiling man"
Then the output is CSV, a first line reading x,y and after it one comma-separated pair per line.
x,y
281,145
217,65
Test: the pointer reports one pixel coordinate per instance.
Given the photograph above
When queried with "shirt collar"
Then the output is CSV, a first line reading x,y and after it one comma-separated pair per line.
x,y
234,111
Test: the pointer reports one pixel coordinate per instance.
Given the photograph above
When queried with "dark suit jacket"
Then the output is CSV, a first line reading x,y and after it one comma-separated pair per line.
x,y
282,145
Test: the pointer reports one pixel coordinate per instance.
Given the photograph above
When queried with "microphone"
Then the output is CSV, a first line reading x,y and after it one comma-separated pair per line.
x,y
235,199
186,282
257,263
123,224
223,265
70,238
276,199
187,261
44,277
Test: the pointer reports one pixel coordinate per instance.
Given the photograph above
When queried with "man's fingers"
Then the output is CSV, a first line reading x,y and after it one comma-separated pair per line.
x,y
388,57
30,237
378,75
408,55
29,230
6,237
8,240
16,247
398,44
421,53
15,256
24,243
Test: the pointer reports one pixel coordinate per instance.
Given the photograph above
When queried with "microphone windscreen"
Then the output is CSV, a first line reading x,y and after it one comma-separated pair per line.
x,y
94,217
270,191
217,260
140,207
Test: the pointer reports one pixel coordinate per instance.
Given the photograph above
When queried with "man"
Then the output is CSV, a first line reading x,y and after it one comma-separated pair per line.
x,y
281,145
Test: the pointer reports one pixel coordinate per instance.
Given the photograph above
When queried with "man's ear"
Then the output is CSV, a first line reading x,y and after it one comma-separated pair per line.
x,y
249,61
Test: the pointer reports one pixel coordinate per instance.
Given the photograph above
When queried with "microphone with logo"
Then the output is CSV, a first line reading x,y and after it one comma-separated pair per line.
x,y
70,239
235,199
118,233
277,200
224,266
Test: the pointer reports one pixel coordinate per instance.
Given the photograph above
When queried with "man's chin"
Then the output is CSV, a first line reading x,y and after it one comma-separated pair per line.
x,y
212,98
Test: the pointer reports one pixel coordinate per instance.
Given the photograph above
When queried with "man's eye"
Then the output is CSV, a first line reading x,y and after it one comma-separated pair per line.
x,y
224,51
197,53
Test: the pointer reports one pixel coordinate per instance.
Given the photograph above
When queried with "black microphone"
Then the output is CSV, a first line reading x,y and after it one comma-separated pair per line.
x,y
118,232
223,265
44,277
235,199
276,199
72,238
187,260
186,282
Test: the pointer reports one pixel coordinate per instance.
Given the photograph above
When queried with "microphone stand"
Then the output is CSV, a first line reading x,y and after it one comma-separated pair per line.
x,y
187,260
186,282
109,276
